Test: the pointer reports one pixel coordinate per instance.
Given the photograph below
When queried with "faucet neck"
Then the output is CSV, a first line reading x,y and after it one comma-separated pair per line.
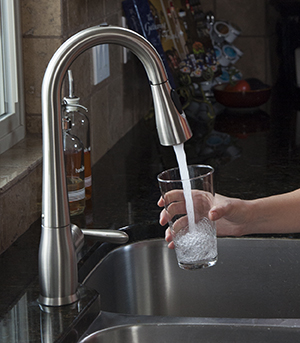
x,y
55,211
57,258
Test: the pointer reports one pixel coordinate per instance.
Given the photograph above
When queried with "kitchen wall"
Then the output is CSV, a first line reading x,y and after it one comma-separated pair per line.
x,y
115,104
257,21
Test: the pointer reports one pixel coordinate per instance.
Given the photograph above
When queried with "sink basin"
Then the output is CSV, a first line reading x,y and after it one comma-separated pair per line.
x,y
193,333
251,295
253,278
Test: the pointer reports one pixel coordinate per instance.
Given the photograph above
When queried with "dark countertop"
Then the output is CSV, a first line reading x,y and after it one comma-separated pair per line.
x,y
254,154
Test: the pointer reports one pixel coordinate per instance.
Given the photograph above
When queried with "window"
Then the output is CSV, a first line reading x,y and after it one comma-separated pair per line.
x,y
12,118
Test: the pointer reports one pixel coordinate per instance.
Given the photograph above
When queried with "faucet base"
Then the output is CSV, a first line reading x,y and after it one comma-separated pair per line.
x,y
45,301
57,267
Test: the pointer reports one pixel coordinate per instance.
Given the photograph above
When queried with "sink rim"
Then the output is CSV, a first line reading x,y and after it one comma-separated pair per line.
x,y
109,321
105,249
153,231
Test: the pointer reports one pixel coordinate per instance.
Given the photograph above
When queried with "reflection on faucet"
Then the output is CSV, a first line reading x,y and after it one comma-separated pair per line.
x,y
57,257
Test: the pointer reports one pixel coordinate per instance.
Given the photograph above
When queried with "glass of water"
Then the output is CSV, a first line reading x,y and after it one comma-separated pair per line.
x,y
187,203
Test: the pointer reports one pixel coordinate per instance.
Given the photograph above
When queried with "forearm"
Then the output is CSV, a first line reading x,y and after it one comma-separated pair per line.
x,y
236,217
275,214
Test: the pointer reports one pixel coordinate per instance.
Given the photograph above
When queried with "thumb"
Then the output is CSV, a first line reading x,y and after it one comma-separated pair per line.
x,y
218,211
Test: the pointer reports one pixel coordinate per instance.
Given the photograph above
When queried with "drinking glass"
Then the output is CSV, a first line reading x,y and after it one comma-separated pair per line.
x,y
187,203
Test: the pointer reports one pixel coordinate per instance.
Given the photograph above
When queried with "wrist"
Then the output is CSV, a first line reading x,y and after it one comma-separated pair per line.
x,y
250,221
257,216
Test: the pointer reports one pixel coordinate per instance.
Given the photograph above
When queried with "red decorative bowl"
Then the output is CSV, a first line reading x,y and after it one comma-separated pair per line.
x,y
252,98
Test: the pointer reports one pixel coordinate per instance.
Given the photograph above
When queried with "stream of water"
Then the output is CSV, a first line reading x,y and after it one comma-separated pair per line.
x,y
185,177
197,247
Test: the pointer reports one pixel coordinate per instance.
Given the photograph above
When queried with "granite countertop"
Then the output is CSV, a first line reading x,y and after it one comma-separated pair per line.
x,y
254,154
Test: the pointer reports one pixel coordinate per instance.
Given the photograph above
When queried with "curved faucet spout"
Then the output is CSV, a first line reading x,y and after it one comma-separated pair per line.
x,y
57,259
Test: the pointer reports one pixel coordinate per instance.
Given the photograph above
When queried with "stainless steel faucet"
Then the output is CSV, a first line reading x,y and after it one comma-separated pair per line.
x,y
57,257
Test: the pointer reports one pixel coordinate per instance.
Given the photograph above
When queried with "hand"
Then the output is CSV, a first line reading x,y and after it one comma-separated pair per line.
x,y
232,215
175,207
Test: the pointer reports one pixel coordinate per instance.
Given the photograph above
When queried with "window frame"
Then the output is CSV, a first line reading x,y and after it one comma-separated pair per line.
x,y
12,123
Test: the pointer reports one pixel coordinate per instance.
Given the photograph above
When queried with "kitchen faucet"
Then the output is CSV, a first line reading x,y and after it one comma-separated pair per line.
x,y
57,257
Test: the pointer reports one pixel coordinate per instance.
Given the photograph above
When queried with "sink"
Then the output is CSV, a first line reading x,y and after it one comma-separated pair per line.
x,y
253,278
194,333
252,294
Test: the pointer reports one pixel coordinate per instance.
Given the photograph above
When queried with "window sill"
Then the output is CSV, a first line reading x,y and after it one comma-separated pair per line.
x,y
20,189
17,162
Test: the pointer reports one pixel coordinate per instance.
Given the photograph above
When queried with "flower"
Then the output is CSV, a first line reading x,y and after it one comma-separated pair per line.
x,y
197,48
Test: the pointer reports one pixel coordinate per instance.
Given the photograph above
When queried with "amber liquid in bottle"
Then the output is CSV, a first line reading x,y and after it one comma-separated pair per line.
x,y
87,174
75,182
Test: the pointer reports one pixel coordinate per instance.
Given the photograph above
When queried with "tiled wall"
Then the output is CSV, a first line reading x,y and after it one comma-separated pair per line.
x,y
115,104
256,19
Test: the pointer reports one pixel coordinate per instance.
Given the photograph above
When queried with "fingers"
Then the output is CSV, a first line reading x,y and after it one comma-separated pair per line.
x,y
173,196
164,218
168,235
171,245
172,213
174,203
176,209
214,214
168,238
161,202
180,224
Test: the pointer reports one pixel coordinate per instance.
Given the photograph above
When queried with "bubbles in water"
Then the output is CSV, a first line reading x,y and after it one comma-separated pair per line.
x,y
196,245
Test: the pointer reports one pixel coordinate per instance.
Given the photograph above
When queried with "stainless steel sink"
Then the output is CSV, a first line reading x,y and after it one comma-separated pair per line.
x,y
194,333
252,294
253,278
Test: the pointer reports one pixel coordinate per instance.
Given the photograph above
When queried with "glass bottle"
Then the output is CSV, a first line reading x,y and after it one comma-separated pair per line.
x,y
80,128
74,162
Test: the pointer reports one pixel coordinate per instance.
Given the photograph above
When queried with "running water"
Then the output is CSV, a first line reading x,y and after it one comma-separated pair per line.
x,y
196,248
185,177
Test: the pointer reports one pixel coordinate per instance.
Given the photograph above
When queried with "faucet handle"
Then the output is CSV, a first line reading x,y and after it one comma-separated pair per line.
x,y
104,235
